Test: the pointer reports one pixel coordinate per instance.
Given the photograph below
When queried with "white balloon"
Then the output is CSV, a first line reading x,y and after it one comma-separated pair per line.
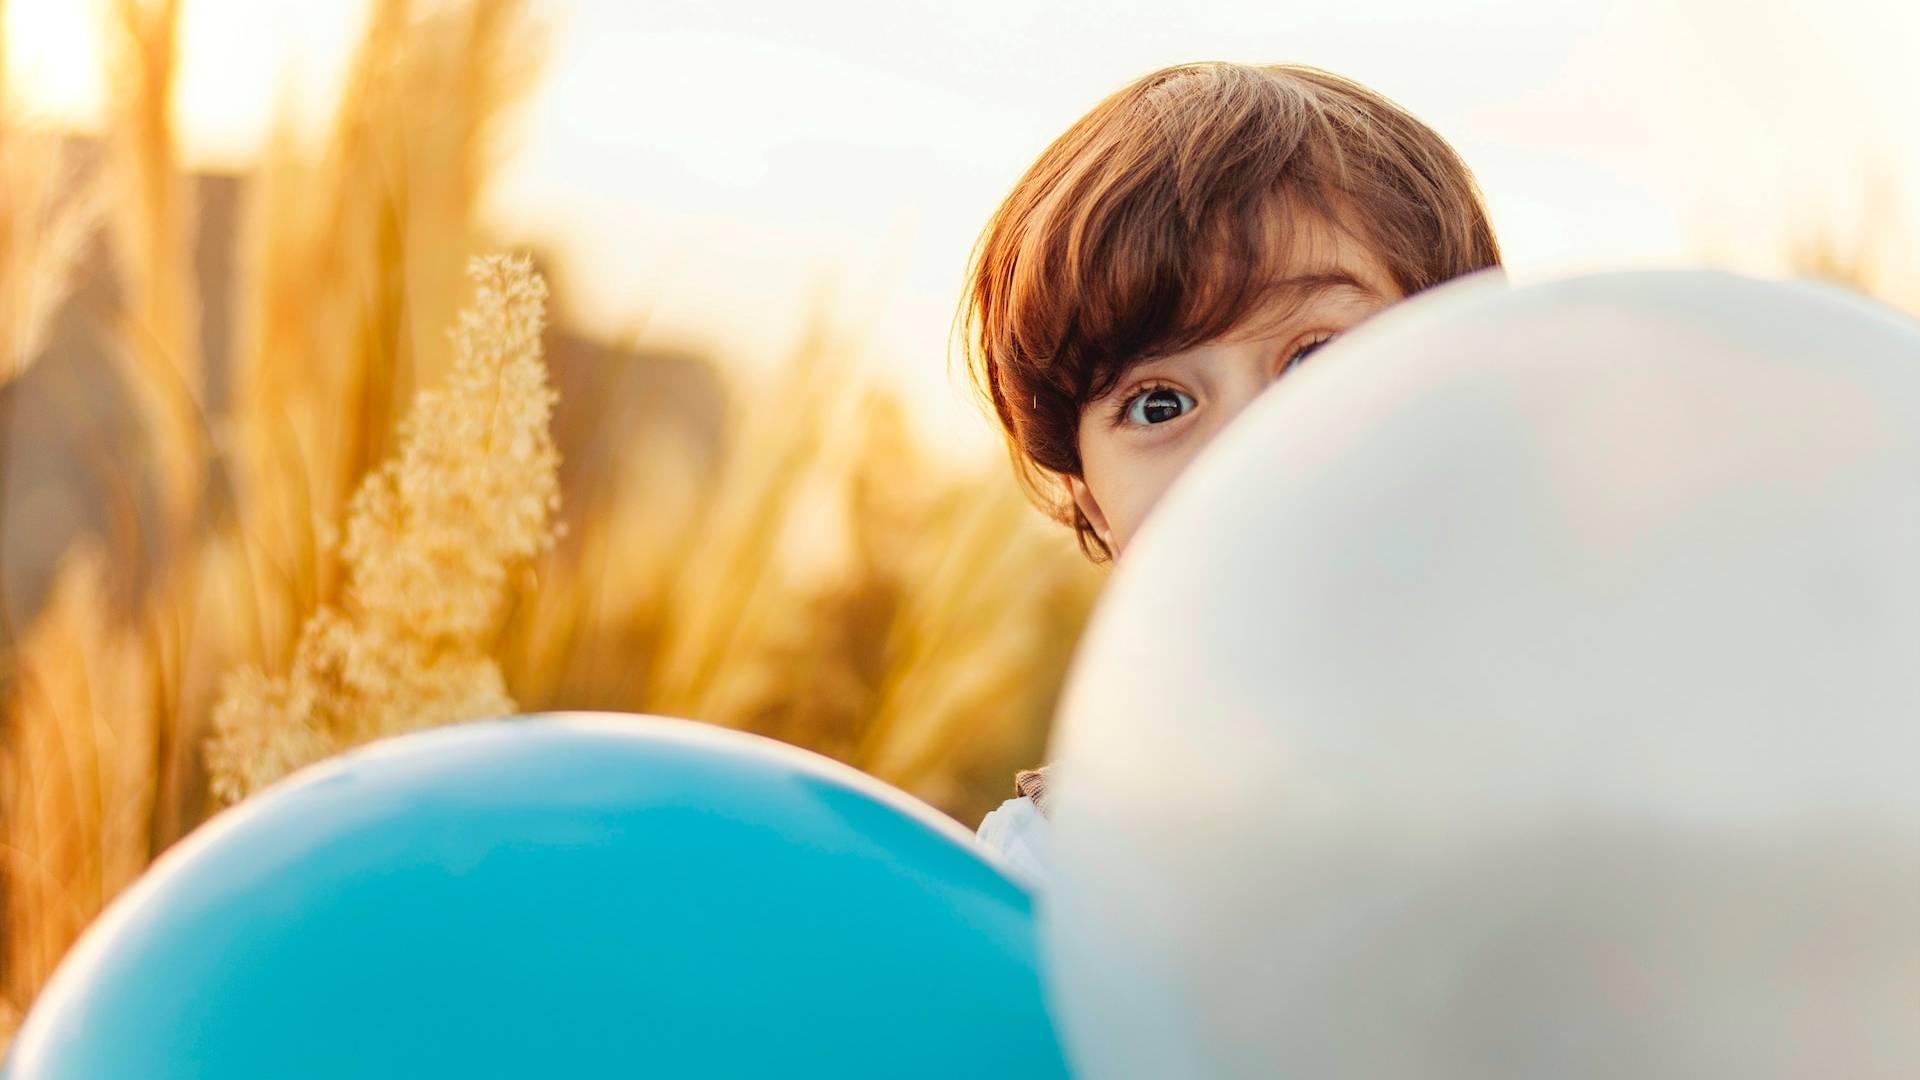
x,y
1528,687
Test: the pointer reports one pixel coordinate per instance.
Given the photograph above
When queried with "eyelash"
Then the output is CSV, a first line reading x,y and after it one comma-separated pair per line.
x,y
1119,417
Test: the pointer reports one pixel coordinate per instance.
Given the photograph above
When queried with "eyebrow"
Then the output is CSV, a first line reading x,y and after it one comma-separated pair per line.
x,y
1281,299
1308,284
1292,293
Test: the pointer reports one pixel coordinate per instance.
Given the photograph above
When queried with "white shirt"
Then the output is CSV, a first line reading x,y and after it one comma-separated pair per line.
x,y
1020,833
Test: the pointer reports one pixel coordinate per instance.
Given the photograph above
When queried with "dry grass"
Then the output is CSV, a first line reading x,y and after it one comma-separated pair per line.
x,y
325,573
1868,250
353,271
151,223
76,773
49,209
432,537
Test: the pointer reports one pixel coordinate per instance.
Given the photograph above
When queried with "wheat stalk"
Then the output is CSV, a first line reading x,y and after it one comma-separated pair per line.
x,y
351,269
152,225
49,210
77,772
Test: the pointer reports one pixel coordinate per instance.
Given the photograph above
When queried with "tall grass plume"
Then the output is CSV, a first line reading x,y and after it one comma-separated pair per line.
x,y
431,540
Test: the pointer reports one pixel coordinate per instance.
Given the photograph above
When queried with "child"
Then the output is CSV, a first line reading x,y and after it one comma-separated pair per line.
x,y
1179,248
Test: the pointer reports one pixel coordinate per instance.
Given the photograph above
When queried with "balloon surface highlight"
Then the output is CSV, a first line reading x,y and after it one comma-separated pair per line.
x,y
573,896
1529,687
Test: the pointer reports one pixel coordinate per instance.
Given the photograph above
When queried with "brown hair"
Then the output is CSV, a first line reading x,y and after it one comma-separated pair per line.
x,y
1148,228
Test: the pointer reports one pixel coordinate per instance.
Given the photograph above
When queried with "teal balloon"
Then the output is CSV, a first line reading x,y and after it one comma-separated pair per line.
x,y
571,895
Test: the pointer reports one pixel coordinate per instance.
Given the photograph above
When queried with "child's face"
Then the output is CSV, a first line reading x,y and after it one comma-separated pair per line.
x,y
1137,438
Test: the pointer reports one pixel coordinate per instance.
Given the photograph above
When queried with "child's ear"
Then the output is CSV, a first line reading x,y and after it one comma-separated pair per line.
x,y
1090,509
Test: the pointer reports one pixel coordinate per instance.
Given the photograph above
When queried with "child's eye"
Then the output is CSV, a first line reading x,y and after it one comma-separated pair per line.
x,y
1157,405
1300,355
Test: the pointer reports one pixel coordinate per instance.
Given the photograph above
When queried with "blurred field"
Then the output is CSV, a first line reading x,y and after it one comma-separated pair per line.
x,y
226,550
258,504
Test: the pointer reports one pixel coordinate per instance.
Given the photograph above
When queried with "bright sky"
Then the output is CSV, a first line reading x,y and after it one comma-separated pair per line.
x,y
706,168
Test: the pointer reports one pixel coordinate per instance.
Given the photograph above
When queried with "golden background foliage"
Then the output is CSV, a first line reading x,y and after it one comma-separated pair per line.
x,y
341,500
